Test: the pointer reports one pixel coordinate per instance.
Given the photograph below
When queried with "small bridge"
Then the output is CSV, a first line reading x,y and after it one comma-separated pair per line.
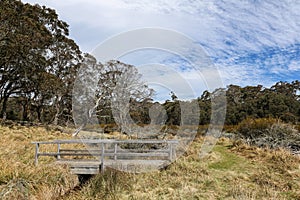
x,y
91,156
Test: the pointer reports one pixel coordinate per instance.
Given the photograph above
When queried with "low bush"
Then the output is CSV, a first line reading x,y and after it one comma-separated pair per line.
x,y
252,128
269,132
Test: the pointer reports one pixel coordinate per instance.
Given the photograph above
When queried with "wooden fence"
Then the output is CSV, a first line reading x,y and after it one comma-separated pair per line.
x,y
94,155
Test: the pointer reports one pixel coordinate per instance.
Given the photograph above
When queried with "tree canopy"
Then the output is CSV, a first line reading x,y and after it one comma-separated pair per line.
x,y
38,60
109,92
39,65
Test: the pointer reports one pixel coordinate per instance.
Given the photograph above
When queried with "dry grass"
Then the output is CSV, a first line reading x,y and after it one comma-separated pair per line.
x,y
231,171
19,178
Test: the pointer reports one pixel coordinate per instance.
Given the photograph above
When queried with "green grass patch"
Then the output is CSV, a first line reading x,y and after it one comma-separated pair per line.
x,y
227,160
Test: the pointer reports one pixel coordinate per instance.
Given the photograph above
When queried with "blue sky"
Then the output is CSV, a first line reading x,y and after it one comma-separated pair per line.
x,y
251,42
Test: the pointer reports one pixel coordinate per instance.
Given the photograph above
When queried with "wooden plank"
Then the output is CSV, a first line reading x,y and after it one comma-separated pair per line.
x,y
144,141
77,150
58,151
93,167
121,154
79,163
142,150
47,154
170,151
102,158
135,162
95,163
130,154
36,156
136,166
84,171
114,150
80,154
84,151
106,141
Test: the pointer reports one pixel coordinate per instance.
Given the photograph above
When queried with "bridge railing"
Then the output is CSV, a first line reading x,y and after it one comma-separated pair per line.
x,y
110,149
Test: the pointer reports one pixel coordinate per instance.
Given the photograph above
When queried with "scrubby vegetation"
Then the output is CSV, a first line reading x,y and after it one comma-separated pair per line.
x,y
269,132
233,170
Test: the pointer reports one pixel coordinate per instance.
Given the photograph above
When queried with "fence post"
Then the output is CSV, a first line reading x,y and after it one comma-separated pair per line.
x,y
58,151
170,151
115,151
36,156
174,149
102,158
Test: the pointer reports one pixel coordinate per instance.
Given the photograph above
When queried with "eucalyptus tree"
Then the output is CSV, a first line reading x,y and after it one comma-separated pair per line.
x,y
38,60
112,90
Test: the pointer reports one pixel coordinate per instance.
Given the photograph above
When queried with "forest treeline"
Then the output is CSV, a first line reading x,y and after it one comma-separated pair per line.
x,y
40,64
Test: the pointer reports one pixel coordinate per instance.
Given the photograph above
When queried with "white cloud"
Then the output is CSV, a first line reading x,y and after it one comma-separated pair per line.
x,y
166,78
294,66
230,31
244,24
243,75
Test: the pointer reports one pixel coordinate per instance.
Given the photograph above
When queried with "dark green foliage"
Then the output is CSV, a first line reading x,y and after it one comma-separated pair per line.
x,y
38,62
279,101
173,112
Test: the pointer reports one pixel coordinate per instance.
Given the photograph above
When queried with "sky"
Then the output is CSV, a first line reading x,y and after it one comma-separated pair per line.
x,y
249,42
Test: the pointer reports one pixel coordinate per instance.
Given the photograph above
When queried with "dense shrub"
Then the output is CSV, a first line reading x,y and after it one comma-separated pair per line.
x,y
269,132
252,128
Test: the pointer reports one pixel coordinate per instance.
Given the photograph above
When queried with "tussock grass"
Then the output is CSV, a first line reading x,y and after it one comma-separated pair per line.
x,y
226,173
233,170
19,178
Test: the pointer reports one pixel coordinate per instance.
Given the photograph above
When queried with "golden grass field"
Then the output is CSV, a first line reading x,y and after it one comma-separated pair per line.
x,y
232,171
